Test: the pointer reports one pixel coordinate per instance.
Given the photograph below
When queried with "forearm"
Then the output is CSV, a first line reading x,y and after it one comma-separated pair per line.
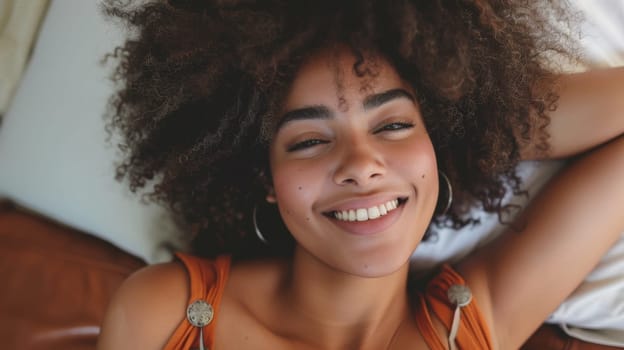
x,y
590,112
565,231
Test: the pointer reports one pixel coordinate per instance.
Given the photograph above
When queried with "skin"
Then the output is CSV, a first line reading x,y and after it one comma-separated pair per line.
x,y
346,285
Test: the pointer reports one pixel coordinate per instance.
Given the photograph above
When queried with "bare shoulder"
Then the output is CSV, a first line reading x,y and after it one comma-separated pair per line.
x,y
146,308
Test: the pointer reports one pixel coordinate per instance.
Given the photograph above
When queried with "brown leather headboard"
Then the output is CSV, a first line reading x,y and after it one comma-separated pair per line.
x,y
55,282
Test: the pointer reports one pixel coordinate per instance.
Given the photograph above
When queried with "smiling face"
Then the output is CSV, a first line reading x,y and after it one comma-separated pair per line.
x,y
353,168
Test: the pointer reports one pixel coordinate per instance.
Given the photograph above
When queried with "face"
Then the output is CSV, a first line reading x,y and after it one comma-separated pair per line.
x,y
353,168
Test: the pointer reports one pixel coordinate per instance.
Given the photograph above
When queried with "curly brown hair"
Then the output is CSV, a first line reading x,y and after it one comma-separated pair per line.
x,y
200,82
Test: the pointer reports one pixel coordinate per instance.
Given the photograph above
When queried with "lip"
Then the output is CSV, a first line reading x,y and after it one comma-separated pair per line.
x,y
369,227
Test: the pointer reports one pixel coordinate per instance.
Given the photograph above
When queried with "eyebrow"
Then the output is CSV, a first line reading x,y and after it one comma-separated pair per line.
x,y
312,112
322,112
376,100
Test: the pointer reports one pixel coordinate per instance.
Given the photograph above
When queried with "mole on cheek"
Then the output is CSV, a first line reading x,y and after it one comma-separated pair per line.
x,y
299,188
423,176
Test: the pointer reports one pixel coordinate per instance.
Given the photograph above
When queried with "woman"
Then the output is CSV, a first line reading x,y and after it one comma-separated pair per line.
x,y
341,120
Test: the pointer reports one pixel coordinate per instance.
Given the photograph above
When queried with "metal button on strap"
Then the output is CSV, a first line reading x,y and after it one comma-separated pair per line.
x,y
200,314
461,296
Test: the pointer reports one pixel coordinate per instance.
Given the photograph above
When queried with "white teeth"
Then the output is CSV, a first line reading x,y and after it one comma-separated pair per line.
x,y
373,213
383,210
364,214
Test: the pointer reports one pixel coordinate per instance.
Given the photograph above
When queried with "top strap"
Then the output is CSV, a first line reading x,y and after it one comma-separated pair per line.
x,y
472,331
207,281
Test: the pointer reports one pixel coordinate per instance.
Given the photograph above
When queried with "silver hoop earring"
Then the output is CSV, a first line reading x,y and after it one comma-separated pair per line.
x,y
256,228
449,189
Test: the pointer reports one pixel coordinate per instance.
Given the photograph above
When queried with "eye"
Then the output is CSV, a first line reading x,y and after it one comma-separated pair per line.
x,y
394,126
306,144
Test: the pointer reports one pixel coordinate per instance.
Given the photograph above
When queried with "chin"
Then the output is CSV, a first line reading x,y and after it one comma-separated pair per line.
x,y
379,265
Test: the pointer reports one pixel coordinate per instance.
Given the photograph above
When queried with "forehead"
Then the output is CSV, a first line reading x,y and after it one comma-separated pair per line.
x,y
337,79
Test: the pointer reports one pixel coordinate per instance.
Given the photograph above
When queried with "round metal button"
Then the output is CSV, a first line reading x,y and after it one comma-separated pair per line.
x,y
459,295
199,313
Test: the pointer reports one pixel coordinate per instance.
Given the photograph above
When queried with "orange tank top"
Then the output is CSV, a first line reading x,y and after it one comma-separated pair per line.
x,y
208,278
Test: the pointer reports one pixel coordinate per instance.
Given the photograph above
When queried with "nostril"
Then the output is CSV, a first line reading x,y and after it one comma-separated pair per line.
x,y
358,167
360,180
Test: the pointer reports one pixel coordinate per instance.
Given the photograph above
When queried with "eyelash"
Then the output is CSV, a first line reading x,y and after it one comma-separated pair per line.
x,y
396,126
306,144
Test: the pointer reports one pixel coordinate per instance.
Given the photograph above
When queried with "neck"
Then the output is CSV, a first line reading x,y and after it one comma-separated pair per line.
x,y
340,310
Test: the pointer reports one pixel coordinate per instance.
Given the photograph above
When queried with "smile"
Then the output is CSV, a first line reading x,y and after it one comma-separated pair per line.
x,y
366,214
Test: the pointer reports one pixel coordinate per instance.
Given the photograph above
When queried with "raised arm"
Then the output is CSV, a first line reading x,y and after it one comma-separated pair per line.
x,y
521,278
589,112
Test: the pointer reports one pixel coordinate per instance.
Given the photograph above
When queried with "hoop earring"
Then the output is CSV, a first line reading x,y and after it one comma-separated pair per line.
x,y
256,228
449,190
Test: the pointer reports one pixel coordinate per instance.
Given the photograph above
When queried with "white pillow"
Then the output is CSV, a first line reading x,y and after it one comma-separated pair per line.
x,y
54,157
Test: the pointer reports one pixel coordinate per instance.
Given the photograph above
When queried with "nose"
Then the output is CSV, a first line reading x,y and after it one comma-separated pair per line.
x,y
359,164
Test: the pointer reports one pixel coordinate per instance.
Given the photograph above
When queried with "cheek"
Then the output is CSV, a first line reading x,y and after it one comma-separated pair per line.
x,y
295,187
417,161
418,166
